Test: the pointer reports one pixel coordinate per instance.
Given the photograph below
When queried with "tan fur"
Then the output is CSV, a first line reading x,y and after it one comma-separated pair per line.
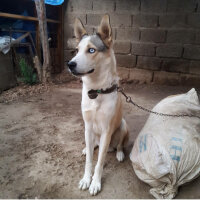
x,y
118,139
104,125
172,96
79,30
105,30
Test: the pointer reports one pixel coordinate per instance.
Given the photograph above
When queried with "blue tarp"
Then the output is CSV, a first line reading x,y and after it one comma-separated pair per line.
x,y
54,2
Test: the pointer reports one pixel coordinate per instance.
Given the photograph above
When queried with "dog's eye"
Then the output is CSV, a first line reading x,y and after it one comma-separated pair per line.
x,y
91,50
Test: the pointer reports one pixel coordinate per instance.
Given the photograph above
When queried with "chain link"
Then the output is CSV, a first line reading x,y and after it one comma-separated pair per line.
x,y
129,100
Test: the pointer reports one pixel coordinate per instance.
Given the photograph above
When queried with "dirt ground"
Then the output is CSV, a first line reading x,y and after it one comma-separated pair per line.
x,y
42,136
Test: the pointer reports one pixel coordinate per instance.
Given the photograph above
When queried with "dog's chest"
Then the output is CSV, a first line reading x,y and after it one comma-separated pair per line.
x,y
99,104
100,111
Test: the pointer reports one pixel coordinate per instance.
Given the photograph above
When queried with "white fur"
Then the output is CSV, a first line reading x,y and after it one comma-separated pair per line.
x,y
102,109
83,65
97,113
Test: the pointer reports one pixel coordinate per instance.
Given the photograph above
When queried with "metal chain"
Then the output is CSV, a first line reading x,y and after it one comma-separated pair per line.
x,y
129,100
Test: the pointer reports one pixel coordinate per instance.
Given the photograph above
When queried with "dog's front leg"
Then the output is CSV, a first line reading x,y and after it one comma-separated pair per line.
x,y
95,186
89,140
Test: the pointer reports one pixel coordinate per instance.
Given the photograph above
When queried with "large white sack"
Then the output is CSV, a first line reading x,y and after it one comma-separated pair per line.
x,y
166,153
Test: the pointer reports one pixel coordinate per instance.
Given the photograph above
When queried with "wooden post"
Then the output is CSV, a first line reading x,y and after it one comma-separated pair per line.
x,y
41,13
60,37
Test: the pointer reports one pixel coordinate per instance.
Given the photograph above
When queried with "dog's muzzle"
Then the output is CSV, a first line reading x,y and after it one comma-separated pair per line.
x,y
72,67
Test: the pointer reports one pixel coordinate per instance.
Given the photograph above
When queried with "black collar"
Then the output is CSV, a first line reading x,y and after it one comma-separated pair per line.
x,y
92,94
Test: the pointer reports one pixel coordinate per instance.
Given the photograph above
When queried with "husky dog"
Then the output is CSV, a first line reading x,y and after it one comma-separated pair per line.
x,y
101,103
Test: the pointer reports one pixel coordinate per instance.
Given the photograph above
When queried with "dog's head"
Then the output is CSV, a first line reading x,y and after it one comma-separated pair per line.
x,y
91,49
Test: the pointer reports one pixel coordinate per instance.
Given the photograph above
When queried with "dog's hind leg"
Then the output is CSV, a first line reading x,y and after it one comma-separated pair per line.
x,y
96,144
123,139
84,150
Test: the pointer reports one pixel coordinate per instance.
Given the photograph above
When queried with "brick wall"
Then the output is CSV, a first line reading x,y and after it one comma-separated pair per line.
x,y
154,40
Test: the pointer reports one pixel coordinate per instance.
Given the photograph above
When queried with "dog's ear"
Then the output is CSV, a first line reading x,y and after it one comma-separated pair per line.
x,y
105,31
79,30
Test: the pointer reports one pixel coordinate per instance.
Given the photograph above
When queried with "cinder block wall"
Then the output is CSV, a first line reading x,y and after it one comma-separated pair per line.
x,y
154,40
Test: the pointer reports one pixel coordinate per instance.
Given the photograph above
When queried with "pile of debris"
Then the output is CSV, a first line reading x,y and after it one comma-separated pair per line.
x,y
21,91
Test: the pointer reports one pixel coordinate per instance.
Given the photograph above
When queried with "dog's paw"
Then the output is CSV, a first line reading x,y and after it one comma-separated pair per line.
x,y
84,183
95,187
120,156
84,151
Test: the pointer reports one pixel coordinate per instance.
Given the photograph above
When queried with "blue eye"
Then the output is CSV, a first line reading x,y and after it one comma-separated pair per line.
x,y
91,50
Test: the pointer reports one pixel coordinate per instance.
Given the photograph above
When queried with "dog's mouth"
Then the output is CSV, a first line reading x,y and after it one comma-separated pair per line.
x,y
74,72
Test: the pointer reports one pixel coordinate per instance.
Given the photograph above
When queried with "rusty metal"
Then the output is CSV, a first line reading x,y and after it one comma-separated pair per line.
x,y
129,100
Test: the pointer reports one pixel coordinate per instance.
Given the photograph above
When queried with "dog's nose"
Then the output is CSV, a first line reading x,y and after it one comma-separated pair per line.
x,y
71,65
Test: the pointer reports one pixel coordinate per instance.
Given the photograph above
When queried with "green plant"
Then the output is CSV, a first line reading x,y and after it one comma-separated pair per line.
x,y
27,72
